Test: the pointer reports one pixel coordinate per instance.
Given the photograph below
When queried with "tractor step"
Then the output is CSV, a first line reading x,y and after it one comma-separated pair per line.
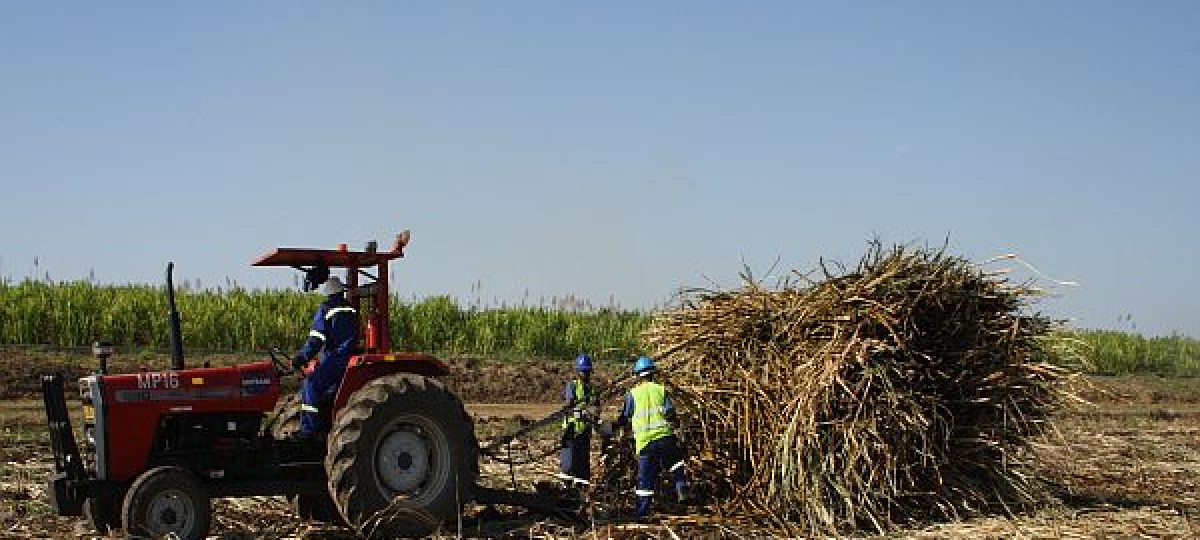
x,y
68,464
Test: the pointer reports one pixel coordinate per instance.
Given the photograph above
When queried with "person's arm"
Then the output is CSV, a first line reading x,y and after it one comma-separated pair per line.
x,y
668,409
568,427
569,394
316,338
626,413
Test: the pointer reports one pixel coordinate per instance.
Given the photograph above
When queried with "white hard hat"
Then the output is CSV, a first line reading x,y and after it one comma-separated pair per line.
x,y
333,285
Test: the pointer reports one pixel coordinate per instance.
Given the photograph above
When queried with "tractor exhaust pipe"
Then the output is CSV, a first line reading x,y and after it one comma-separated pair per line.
x,y
176,333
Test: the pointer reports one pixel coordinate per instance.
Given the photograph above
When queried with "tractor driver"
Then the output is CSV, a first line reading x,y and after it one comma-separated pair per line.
x,y
334,329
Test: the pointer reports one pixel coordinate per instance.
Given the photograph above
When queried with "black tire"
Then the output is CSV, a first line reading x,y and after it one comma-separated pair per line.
x,y
287,417
166,501
425,429
103,513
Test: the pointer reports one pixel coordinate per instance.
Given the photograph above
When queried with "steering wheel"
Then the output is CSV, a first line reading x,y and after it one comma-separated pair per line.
x,y
280,361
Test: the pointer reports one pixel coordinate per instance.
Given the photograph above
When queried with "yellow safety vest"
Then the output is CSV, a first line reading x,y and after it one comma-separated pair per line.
x,y
649,419
583,399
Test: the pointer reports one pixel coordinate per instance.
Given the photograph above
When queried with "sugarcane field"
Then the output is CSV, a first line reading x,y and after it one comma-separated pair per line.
x,y
616,270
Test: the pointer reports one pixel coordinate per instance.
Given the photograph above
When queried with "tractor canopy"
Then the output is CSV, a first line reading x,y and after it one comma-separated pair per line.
x,y
324,257
334,258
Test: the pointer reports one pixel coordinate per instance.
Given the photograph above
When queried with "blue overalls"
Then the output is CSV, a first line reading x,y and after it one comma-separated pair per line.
x,y
334,329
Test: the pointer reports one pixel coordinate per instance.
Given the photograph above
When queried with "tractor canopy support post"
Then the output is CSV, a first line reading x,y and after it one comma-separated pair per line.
x,y
381,311
354,300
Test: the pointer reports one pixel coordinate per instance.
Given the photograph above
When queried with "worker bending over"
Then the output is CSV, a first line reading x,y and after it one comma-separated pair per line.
x,y
649,412
335,330
575,460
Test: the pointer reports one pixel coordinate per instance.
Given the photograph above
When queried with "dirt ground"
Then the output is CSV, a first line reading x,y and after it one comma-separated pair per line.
x,y
1127,466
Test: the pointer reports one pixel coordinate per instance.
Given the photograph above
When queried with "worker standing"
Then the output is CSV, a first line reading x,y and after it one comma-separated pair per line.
x,y
648,410
335,330
575,460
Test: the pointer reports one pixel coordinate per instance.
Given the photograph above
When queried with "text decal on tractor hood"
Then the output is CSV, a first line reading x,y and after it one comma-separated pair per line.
x,y
154,381
255,382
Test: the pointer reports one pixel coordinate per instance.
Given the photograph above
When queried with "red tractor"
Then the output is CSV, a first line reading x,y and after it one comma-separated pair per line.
x,y
401,456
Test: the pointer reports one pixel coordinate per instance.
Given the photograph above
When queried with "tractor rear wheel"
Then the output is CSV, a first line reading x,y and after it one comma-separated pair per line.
x,y
167,502
402,457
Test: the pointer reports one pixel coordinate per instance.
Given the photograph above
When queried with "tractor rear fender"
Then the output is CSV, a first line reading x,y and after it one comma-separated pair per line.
x,y
365,368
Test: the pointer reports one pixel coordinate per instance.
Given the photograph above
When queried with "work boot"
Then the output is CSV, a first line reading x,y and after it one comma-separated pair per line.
x,y
641,509
683,494
307,443
300,437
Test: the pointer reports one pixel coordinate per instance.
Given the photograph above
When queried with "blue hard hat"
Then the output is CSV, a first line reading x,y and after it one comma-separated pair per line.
x,y
643,364
583,362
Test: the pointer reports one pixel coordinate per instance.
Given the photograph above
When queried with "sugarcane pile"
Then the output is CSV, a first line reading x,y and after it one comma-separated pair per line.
x,y
902,390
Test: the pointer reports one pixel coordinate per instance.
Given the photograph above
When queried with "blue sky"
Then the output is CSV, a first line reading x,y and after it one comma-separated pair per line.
x,y
608,149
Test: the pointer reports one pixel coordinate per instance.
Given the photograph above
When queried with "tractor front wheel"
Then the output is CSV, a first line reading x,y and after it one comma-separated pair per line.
x,y
167,502
402,457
